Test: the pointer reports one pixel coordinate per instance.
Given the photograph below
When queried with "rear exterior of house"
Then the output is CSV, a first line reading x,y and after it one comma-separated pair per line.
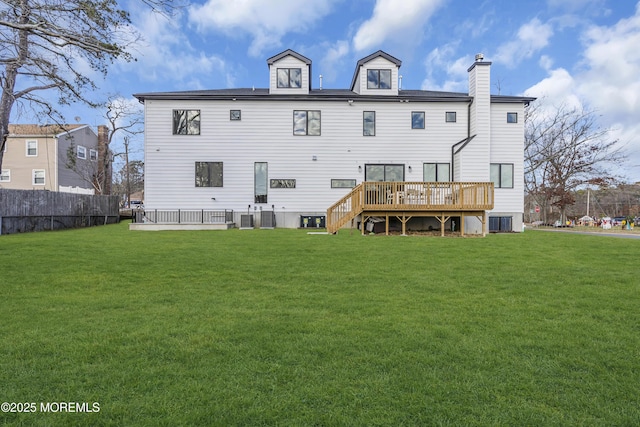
x,y
36,158
295,151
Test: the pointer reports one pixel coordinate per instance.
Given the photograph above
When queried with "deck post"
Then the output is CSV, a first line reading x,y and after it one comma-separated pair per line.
x,y
462,224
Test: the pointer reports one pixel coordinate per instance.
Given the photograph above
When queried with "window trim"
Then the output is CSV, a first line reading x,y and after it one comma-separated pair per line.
x,y
211,179
33,176
235,115
35,142
80,148
364,122
5,173
282,183
437,165
306,126
424,119
384,170
289,85
175,122
378,71
501,165
447,117
351,183
260,198
512,117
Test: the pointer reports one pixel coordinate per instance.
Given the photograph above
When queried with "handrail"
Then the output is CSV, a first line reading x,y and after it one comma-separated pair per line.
x,y
410,196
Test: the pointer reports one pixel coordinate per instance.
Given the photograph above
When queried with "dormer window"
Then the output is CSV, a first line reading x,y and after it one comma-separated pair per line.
x,y
289,78
378,79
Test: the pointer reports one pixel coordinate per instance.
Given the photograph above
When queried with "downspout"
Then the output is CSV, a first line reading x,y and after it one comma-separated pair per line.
x,y
465,141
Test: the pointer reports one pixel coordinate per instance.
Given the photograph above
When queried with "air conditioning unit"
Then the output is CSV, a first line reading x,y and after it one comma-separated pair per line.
x,y
268,219
246,221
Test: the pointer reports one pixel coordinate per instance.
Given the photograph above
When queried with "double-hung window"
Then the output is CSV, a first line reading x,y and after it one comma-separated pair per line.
x,y
369,123
502,175
93,155
81,152
378,79
306,122
435,172
5,175
38,177
186,122
32,148
209,174
289,77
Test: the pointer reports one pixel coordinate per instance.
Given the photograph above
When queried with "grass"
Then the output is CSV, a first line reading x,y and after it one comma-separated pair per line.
x,y
278,327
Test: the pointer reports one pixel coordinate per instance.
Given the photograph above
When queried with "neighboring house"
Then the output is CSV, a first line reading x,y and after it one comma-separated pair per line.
x,y
40,157
300,151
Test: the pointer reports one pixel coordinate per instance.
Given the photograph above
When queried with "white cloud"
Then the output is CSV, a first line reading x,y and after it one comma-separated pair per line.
x,y
611,80
607,81
164,43
333,60
266,22
442,61
531,38
557,90
395,21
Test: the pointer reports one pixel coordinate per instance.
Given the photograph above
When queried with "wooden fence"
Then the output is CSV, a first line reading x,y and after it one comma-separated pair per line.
x,y
24,211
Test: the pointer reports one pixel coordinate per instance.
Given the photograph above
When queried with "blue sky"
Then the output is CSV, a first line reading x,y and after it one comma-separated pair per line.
x,y
571,52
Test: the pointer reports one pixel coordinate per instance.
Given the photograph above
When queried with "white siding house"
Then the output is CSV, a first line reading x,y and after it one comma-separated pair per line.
x,y
295,150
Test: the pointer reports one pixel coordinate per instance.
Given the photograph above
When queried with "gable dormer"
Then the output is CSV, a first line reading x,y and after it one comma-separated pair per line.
x,y
289,73
377,74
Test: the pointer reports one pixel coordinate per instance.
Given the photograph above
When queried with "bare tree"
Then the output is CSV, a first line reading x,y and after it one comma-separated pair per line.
x,y
41,42
565,150
123,117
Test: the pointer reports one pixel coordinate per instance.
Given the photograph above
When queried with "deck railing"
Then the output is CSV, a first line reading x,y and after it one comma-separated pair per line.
x,y
410,196
183,216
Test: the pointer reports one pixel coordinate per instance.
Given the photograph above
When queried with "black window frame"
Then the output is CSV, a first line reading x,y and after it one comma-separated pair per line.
x,y
422,113
512,117
210,180
289,78
182,115
306,128
351,183
364,123
378,81
235,114
446,117
437,166
501,166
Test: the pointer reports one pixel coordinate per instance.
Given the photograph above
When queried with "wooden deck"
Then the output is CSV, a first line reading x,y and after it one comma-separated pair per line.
x,y
405,200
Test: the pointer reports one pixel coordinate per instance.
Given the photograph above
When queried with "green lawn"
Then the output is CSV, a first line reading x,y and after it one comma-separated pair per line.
x,y
278,327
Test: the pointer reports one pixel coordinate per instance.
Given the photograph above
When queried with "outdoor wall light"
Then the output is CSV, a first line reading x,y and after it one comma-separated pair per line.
x,y
359,168
314,158
350,102
409,168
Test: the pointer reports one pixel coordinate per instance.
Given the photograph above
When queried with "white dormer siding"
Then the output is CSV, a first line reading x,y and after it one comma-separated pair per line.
x,y
382,64
289,62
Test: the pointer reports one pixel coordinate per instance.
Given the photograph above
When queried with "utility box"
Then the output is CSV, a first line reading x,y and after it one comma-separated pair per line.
x,y
306,221
246,221
267,219
318,221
